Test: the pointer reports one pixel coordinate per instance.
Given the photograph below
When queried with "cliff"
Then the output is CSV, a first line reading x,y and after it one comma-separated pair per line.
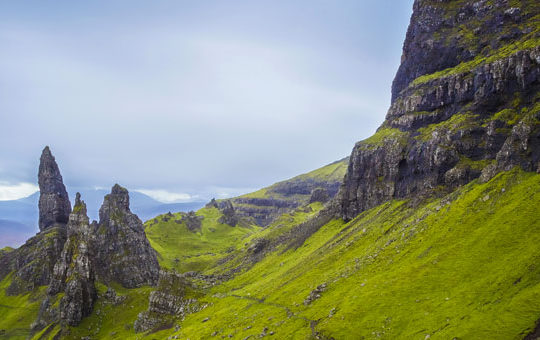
x,y
465,104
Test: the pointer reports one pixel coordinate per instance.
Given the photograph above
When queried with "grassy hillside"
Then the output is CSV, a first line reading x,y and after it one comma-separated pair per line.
x,y
184,250
17,312
464,266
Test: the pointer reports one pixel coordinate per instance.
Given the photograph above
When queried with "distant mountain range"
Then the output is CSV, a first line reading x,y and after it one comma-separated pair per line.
x,y
18,218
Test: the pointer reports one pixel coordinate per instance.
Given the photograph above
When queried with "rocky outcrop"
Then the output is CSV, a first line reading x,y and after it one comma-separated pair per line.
x,y
122,251
315,294
115,250
69,254
73,274
167,303
229,214
447,126
54,205
33,262
192,221
319,195
228,211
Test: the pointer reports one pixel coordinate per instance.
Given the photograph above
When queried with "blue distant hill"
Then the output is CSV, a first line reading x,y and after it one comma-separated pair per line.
x,y
18,218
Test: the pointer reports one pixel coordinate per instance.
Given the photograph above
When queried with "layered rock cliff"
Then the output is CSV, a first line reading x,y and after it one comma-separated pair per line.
x,y
465,104
264,206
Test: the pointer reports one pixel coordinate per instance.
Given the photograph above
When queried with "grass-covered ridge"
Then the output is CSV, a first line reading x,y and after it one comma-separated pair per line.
x,y
383,136
266,205
333,172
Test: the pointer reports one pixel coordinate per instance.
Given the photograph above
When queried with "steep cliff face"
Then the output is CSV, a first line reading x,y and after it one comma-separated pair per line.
x,y
443,34
464,104
54,205
123,253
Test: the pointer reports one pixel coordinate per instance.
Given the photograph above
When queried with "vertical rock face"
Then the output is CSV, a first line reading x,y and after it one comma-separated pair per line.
x,y
123,253
465,104
74,272
54,205
443,34
34,261
229,214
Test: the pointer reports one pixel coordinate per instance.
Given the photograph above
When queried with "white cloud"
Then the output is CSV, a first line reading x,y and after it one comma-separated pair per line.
x,y
166,196
10,192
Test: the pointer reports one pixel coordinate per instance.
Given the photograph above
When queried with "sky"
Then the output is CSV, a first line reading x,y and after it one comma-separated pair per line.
x,y
188,100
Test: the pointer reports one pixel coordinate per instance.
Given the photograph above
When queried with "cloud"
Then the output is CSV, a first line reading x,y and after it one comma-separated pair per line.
x,y
10,192
205,96
165,196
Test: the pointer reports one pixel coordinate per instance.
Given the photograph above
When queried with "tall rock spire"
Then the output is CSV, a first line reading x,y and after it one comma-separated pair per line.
x,y
54,205
74,273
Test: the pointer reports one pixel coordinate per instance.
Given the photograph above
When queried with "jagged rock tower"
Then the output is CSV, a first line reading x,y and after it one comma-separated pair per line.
x,y
122,251
34,261
74,272
70,254
54,205
115,250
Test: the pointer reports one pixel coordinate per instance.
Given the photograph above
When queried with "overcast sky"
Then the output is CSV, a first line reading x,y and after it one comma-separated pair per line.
x,y
188,100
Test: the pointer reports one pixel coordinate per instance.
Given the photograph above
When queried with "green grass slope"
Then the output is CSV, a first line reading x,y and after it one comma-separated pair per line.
x,y
109,320
464,266
18,312
184,250
461,267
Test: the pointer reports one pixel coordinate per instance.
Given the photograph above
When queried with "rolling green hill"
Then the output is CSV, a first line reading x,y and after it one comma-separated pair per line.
x,y
265,205
184,250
